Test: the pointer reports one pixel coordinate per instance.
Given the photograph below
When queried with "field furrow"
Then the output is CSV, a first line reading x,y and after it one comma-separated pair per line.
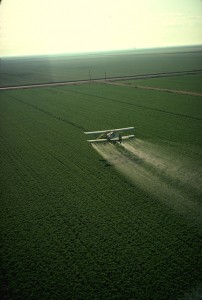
x,y
100,221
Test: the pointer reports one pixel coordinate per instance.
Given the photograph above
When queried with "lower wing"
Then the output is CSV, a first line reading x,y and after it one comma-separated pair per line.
x,y
126,137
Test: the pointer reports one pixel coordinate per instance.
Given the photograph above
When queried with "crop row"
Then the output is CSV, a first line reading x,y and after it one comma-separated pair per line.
x,y
81,67
74,228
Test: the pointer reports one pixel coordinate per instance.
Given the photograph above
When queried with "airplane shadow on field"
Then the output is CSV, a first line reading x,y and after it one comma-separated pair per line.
x,y
122,157
106,163
117,155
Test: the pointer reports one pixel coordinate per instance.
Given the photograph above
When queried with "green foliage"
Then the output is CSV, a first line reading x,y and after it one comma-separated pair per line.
x,y
73,227
191,83
40,69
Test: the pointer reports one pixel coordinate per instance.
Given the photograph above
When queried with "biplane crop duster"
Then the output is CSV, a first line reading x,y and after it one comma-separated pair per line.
x,y
111,135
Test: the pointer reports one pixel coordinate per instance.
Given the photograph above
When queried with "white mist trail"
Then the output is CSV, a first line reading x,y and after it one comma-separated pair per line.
x,y
165,164
154,173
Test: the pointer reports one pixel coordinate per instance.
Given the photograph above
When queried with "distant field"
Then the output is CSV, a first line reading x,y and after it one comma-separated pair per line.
x,y
190,83
30,70
101,222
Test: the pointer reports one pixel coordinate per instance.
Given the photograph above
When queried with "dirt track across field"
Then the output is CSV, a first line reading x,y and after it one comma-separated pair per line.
x,y
113,80
156,89
30,86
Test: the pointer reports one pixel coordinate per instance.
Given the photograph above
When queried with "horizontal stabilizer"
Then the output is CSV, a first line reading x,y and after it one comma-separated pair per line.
x,y
126,137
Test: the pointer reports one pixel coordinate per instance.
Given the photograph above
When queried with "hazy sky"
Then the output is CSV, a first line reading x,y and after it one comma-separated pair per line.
x,y
61,26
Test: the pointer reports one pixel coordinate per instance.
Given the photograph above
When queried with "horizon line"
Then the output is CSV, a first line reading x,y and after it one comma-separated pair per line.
x,y
99,51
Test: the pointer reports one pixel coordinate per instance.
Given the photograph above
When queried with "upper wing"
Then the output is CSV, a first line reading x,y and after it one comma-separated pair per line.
x,y
109,130
96,132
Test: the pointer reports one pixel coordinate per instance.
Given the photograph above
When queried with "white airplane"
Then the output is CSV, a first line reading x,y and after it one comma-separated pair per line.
x,y
111,135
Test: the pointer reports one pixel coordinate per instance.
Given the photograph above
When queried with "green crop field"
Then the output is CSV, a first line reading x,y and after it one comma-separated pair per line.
x,y
30,70
102,222
185,83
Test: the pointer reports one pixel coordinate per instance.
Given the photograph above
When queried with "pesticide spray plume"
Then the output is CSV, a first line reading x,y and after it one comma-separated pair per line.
x,y
158,158
147,166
